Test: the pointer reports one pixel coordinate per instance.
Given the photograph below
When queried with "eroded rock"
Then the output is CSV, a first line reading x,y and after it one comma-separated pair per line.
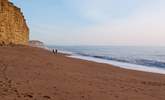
x,y
13,27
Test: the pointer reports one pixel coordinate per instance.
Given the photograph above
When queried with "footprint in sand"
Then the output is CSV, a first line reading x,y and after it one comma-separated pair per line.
x,y
46,97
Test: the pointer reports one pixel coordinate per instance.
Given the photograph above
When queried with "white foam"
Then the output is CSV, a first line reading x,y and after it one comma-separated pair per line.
x,y
66,52
121,64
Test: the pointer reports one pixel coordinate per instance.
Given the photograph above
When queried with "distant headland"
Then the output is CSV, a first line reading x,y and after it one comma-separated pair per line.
x,y
13,27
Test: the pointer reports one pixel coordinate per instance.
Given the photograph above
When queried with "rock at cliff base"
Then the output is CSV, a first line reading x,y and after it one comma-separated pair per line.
x,y
36,43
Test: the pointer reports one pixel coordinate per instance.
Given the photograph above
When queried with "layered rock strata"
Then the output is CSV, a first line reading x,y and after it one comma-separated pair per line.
x,y
13,27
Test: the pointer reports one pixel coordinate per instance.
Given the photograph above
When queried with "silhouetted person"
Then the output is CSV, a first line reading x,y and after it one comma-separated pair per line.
x,y
53,51
56,51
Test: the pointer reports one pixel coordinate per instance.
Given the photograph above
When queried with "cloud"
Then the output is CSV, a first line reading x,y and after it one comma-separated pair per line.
x,y
141,24
144,27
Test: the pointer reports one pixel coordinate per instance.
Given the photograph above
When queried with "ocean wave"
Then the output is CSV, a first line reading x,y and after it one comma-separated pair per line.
x,y
145,62
150,63
137,58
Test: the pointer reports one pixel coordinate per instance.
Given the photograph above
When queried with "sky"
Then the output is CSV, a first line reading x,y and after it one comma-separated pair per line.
x,y
95,22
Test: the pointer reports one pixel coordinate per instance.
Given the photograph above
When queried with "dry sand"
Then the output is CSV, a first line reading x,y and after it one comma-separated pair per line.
x,y
28,73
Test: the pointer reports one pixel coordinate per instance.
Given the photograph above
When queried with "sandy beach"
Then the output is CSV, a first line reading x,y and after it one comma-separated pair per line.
x,y
28,73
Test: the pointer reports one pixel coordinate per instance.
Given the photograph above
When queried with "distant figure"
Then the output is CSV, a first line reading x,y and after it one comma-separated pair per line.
x,y
55,51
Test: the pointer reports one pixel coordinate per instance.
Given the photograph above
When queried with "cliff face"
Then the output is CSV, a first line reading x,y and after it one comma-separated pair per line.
x,y
13,27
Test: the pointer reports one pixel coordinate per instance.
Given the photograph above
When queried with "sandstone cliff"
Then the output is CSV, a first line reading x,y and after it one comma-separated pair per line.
x,y
13,27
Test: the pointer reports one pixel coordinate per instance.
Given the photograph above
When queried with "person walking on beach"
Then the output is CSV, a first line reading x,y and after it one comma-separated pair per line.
x,y
55,51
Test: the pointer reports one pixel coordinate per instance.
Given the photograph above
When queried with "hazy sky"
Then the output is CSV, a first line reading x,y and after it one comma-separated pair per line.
x,y
95,22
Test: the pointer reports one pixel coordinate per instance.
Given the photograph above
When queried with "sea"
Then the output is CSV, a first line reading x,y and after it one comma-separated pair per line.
x,y
141,58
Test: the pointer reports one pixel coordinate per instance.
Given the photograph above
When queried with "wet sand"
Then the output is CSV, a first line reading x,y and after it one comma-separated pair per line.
x,y
28,73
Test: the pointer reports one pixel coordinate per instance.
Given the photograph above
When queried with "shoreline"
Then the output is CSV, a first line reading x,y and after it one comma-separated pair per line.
x,y
118,64
39,74
123,65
